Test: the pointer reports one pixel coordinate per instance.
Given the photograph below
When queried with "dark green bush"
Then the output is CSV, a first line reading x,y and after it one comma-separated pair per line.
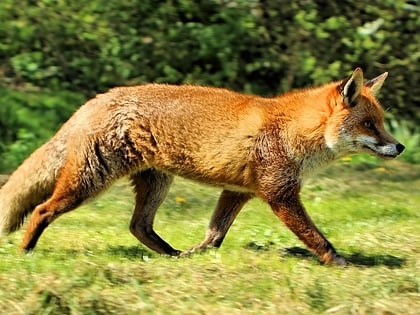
x,y
28,119
263,47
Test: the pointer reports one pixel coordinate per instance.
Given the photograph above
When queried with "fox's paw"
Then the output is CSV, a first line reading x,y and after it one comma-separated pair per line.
x,y
185,253
335,259
332,258
190,252
198,249
339,261
175,253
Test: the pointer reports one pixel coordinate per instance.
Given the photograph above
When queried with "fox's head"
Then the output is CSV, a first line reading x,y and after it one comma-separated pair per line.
x,y
357,125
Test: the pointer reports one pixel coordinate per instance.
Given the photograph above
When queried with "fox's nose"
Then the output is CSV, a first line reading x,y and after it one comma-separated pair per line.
x,y
400,148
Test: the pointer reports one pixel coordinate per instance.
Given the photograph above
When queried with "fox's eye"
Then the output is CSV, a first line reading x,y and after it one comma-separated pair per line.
x,y
368,124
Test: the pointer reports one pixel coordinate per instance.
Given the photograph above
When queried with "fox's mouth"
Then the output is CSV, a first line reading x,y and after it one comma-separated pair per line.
x,y
375,152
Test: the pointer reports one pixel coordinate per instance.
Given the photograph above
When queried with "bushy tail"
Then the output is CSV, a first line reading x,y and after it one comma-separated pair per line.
x,y
31,184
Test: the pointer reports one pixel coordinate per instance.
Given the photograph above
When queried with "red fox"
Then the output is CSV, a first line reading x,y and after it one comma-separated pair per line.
x,y
248,145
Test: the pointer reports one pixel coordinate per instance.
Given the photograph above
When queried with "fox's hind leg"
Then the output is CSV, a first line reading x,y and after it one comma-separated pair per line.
x,y
228,206
82,176
70,191
44,214
151,188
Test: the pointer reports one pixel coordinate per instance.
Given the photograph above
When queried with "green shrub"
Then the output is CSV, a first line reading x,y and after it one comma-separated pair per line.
x,y
27,119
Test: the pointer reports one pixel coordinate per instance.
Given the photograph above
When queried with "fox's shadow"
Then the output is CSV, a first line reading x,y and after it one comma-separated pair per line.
x,y
355,259
131,252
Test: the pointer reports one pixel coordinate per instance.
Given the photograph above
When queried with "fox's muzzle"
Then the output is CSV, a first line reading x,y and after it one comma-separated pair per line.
x,y
387,151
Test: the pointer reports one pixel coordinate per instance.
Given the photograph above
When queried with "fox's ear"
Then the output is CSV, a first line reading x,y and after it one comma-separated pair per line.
x,y
376,83
351,88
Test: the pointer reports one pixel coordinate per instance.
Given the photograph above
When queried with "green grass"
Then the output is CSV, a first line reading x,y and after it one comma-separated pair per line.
x,y
87,262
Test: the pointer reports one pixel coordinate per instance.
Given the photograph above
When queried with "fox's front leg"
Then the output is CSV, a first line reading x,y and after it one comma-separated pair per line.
x,y
229,205
291,211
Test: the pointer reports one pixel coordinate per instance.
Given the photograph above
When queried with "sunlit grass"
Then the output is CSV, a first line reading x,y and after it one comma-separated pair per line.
x,y
87,262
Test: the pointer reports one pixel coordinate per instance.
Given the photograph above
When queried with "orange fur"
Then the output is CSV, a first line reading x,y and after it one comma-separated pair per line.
x,y
248,145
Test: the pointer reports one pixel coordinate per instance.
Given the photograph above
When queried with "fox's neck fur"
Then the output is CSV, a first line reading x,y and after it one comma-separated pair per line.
x,y
306,128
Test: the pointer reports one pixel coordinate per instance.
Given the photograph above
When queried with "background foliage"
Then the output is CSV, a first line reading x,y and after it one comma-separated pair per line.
x,y
54,54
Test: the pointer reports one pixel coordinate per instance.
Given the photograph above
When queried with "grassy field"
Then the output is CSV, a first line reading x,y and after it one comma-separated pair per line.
x,y
87,262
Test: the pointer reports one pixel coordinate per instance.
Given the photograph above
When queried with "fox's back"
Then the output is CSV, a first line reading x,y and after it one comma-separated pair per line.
x,y
192,131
